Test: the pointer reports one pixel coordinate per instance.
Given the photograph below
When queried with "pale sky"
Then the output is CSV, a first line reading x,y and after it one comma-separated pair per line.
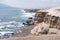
x,y
31,3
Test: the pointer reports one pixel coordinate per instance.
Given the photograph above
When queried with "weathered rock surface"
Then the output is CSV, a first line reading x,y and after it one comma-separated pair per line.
x,y
47,17
52,31
42,28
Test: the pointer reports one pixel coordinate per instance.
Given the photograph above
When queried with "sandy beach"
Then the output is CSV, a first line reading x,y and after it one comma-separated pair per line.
x,y
41,37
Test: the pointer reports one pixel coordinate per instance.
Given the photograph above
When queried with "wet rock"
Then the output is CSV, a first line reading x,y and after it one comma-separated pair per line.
x,y
29,21
30,18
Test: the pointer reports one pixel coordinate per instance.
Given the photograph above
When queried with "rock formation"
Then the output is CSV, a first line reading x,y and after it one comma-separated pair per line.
x,y
31,10
50,17
42,28
40,16
52,31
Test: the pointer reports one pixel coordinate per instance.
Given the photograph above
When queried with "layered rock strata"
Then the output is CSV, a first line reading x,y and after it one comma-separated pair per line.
x,y
43,16
50,18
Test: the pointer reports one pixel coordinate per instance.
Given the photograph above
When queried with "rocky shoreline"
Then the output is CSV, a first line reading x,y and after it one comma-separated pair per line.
x,y
44,26
47,20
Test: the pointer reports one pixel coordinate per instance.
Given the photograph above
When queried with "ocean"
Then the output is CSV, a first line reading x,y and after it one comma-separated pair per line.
x,y
11,21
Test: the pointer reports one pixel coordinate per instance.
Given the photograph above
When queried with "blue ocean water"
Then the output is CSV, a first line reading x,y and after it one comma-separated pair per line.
x,y
11,19
8,13
18,15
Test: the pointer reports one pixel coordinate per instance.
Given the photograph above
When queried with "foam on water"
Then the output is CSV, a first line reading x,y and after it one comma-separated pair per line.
x,y
23,16
26,15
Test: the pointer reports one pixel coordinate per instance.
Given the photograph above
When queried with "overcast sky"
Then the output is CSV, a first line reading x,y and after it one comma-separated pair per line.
x,y
31,3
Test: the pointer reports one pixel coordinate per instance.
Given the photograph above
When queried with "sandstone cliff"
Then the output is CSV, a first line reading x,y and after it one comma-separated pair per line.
x,y
50,17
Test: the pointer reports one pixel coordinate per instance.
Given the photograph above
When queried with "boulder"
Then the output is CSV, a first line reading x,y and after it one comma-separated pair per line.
x,y
41,28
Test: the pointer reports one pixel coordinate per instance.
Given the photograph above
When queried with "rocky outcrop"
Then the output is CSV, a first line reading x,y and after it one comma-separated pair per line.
x,y
50,17
40,16
41,28
31,10
44,16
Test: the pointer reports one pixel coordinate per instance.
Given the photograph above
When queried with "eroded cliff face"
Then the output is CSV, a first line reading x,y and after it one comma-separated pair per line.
x,y
43,17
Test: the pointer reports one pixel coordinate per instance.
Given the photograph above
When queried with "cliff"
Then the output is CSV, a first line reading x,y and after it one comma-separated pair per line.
x,y
49,16
47,20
